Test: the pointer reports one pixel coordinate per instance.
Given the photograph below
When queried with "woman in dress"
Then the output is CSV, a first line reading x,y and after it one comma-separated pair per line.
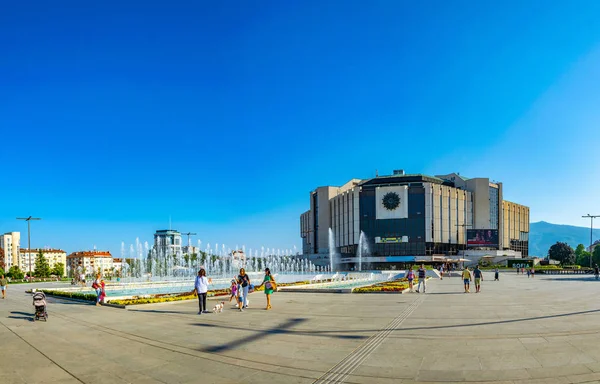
x,y
269,283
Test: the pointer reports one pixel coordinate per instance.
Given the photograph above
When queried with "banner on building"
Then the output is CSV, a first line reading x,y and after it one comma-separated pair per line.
x,y
482,238
401,239
391,202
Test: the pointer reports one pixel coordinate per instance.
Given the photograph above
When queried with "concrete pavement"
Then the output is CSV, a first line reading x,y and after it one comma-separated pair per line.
x,y
516,330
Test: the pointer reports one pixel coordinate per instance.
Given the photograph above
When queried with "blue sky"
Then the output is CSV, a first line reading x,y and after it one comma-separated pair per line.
x,y
115,116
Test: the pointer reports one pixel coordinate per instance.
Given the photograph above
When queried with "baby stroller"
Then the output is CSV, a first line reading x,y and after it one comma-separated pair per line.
x,y
39,302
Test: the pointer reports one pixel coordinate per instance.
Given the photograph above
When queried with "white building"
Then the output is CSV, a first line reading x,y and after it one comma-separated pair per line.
x,y
90,262
10,244
167,242
53,256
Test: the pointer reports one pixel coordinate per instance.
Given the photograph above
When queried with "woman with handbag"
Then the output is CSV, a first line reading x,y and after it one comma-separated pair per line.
x,y
270,286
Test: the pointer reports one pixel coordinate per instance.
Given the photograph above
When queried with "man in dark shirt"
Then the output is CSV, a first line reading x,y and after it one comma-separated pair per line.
x,y
422,277
478,275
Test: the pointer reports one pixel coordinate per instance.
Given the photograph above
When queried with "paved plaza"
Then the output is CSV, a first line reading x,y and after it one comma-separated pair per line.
x,y
542,330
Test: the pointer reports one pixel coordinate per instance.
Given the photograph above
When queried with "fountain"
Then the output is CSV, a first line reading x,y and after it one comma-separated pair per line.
x,y
332,250
363,249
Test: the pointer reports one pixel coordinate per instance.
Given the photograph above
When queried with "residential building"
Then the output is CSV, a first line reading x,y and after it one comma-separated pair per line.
x,y
53,256
89,262
10,243
400,218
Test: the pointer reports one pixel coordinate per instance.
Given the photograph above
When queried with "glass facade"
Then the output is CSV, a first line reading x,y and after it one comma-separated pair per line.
x,y
494,208
413,226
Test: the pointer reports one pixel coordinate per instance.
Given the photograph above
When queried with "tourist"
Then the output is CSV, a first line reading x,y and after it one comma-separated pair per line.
x,y
244,281
466,275
103,291
410,276
3,285
528,272
421,273
442,272
478,275
96,285
496,275
200,289
532,272
234,290
596,271
270,286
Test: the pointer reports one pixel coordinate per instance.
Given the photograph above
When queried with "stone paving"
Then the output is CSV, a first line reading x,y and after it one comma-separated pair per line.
x,y
516,330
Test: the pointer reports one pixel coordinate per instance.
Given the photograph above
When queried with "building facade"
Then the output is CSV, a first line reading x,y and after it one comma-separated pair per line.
x,y
53,256
397,219
10,243
89,262
167,241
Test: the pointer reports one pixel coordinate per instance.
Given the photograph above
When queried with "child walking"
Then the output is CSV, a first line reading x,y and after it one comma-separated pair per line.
x,y
410,276
234,291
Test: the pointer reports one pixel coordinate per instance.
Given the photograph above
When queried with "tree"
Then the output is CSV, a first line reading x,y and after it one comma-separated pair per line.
x,y
583,259
562,252
596,255
42,268
58,270
580,250
15,273
2,271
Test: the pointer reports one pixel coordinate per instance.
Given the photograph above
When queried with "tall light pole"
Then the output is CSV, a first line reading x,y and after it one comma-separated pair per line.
x,y
465,226
592,217
28,220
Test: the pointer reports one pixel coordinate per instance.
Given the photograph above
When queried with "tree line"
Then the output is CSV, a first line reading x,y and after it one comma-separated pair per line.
x,y
566,255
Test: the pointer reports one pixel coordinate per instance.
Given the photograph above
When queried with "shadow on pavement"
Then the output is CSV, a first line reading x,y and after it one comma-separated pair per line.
x,y
159,311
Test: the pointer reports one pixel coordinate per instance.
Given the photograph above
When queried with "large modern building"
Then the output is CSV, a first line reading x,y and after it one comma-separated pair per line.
x,y
10,244
400,218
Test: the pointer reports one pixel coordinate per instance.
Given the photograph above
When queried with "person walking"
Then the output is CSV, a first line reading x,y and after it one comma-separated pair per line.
x,y
528,272
532,272
234,290
596,271
3,286
442,272
270,286
200,289
244,282
410,276
496,274
478,275
466,275
421,273
97,286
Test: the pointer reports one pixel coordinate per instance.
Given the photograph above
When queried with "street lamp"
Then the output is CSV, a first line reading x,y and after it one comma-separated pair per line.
x,y
28,220
592,217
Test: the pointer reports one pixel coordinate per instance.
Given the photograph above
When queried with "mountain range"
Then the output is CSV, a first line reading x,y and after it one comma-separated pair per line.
x,y
543,235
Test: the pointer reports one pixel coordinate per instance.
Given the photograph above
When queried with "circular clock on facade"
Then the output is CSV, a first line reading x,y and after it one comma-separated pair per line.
x,y
391,201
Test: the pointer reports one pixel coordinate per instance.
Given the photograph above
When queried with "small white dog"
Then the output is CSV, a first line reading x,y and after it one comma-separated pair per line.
x,y
219,307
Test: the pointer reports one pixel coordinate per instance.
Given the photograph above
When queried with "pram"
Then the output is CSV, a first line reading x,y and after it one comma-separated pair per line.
x,y
39,302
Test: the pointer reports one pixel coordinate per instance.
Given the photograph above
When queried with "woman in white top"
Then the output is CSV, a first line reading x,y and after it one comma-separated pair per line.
x,y
201,288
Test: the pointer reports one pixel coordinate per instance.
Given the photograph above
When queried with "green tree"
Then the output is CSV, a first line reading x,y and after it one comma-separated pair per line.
x,y
42,268
579,250
2,271
186,258
15,273
562,252
583,259
596,255
59,269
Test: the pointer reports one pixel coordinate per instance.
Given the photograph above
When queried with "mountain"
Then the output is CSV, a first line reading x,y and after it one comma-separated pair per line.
x,y
543,235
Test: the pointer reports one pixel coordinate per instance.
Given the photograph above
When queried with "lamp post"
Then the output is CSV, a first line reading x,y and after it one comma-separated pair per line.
x,y
28,220
591,217
465,226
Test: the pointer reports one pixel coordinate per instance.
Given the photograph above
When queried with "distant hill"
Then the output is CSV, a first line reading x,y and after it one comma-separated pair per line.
x,y
543,235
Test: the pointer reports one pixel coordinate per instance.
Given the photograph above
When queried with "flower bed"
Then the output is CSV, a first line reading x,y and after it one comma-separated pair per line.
x,y
398,285
70,295
261,289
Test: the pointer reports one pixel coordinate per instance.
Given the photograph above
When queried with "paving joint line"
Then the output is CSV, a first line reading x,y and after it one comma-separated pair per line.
x,y
340,372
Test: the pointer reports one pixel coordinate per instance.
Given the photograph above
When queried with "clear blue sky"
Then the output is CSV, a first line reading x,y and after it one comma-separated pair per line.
x,y
116,115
